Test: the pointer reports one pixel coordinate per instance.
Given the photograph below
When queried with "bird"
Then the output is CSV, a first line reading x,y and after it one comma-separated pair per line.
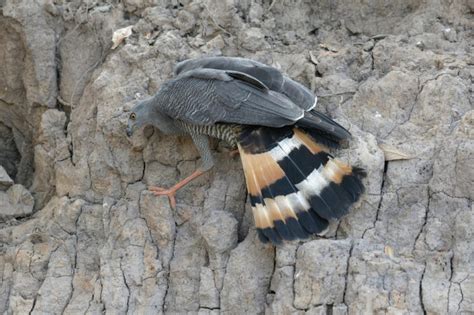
x,y
295,185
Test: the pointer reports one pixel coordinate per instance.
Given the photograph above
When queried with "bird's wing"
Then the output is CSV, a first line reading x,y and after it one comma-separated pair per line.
x,y
325,126
271,77
207,96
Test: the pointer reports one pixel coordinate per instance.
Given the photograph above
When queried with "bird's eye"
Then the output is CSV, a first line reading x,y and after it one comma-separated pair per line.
x,y
133,116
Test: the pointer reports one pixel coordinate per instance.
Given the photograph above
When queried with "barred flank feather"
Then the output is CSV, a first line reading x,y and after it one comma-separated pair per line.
x,y
295,185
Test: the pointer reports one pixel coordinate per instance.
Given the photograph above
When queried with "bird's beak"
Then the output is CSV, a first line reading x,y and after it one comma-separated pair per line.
x,y
129,131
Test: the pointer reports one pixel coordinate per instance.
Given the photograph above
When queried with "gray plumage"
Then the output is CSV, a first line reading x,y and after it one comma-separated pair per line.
x,y
269,76
223,93
208,96
295,185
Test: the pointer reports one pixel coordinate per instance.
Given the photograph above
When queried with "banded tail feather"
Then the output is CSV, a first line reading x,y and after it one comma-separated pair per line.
x,y
295,185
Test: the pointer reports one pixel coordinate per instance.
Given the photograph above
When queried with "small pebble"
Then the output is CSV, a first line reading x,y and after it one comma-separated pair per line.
x,y
420,45
450,34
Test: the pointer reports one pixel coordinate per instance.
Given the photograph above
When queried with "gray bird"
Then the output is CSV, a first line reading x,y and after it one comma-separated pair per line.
x,y
295,185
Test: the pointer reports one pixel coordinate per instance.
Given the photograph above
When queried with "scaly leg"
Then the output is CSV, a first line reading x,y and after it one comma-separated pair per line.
x,y
202,144
170,192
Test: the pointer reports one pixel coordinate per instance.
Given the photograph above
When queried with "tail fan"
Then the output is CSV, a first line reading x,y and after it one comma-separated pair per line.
x,y
295,185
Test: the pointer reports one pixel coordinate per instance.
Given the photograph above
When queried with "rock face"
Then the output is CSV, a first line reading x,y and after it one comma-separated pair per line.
x,y
16,202
80,233
5,180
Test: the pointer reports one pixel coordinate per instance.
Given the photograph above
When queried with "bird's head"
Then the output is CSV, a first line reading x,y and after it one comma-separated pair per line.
x,y
139,117
147,112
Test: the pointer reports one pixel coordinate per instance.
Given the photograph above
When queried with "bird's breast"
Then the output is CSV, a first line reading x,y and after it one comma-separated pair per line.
x,y
227,132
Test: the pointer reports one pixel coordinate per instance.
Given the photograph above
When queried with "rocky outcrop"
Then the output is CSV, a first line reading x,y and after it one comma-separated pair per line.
x,y
80,232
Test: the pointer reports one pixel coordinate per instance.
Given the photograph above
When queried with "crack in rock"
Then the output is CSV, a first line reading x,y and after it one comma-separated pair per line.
x,y
405,81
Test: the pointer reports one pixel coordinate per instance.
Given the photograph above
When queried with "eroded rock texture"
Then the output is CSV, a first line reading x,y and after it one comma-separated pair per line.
x,y
80,233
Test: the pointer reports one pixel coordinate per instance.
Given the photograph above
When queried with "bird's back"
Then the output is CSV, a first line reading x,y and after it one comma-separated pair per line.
x,y
269,76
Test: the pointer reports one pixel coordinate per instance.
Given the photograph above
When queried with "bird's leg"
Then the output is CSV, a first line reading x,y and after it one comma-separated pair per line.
x,y
202,144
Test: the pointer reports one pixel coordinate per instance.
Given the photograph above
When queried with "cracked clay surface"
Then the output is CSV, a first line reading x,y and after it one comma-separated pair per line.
x,y
80,233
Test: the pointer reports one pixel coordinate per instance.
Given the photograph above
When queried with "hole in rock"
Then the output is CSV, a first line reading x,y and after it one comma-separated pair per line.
x,y
10,157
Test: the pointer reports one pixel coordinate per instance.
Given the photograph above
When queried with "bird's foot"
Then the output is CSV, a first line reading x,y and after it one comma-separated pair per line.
x,y
171,192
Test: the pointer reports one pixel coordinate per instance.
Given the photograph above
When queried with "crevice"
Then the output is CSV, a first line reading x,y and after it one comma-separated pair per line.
x,y
99,278
450,282
273,270
372,63
451,267
209,308
458,283
70,295
41,281
462,297
240,236
61,105
168,268
421,290
295,276
346,277
19,219
147,227
73,234
10,155
407,119
89,304
382,186
126,285
434,192
329,309
33,306
427,210
141,177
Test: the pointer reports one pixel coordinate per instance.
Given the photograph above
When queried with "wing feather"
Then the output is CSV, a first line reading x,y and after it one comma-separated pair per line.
x,y
244,91
269,76
211,96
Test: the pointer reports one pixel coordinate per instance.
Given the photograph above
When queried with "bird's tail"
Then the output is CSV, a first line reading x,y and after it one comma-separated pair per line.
x,y
295,185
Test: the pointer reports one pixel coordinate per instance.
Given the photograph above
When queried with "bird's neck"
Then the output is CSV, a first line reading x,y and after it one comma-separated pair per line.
x,y
158,119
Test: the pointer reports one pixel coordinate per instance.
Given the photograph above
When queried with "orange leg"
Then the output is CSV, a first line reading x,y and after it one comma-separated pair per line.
x,y
170,192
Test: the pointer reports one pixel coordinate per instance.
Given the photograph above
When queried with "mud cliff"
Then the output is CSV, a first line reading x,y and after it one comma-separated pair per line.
x,y
80,233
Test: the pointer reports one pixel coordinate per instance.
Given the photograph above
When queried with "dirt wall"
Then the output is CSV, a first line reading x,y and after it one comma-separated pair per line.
x,y
80,233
